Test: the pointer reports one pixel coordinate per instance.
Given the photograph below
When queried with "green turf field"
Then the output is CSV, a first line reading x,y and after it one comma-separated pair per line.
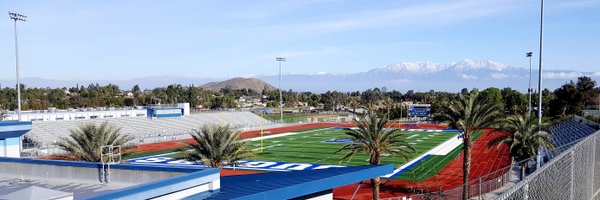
x,y
431,165
309,147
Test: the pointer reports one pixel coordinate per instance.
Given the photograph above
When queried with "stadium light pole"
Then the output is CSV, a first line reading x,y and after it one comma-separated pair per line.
x,y
540,63
17,17
529,55
280,60
540,93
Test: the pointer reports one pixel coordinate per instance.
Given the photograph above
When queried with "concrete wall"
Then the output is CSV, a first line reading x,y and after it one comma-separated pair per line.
x,y
9,147
186,108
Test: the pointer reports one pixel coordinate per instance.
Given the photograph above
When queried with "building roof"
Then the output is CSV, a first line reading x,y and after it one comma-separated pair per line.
x,y
35,193
82,178
12,129
287,185
162,187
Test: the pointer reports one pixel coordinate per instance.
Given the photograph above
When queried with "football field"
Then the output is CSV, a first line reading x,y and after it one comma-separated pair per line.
x,y
319,146
316,148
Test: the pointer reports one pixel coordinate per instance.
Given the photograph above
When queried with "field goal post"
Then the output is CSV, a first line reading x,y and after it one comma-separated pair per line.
x,y
109,155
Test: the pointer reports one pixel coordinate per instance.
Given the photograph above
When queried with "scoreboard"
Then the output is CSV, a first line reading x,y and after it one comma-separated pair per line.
x,y
419,110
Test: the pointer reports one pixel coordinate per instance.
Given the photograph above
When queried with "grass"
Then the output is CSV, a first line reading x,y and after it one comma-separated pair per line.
x,y
309,147
433,164
150,153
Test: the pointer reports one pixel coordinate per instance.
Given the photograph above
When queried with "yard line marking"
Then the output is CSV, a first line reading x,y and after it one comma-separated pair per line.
x,y
441,148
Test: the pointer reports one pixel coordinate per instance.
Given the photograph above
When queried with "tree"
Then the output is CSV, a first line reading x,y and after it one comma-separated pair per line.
x,y
568,100
388,103
216,146
514,101
464,91
523,136
492,96
222,102
354,104
2,114
469,114
375,137
129,102
56,98
85,142
136,90
585,86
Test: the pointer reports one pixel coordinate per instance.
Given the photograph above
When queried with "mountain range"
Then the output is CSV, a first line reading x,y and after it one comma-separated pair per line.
x,y
425,76
418,76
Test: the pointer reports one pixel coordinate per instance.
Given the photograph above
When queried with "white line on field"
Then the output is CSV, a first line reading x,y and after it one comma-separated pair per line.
x,y
441,149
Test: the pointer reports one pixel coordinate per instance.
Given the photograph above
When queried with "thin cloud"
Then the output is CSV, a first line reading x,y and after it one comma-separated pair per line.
x,y
468,77
562,75
303,53
418,15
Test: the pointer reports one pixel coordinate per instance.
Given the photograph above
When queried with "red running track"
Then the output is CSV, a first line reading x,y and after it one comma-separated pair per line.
x,y
484,161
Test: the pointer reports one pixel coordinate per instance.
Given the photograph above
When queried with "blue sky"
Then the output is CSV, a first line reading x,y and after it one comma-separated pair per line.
x,y
120,40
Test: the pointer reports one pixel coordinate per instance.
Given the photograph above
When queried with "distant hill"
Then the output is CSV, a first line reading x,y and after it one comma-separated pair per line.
x,y
239,83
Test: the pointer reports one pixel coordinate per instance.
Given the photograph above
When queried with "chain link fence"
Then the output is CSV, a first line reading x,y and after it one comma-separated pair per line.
x,y
573,174
477,188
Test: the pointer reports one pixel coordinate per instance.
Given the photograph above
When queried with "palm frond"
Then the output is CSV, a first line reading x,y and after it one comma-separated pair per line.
x,y
216,146
85,142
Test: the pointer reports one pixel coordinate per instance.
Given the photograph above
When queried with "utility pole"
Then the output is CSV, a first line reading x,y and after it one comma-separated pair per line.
x,y
17,17
280,60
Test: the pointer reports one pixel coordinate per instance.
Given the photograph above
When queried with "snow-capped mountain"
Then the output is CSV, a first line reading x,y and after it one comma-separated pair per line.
x,y
430,67
424,76
413,67
468,64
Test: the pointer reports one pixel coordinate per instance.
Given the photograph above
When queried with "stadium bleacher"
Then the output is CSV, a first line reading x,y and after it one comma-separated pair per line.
x,y
147,130
567,132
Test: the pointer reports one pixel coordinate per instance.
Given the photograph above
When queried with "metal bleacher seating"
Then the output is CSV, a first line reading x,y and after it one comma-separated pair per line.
x,y
569,131
146,130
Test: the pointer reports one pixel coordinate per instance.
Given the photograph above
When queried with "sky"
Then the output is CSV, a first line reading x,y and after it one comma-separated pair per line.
x,y
120,40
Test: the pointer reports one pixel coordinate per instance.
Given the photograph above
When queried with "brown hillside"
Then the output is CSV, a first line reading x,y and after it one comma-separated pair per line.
x,y
239,83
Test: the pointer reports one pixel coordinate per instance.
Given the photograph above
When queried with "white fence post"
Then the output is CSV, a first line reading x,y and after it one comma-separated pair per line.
x,y
479,188
572,174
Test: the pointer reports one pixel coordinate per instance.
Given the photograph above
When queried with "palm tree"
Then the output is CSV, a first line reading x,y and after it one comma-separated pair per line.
x,y
468,114
216,146
354,104
523,136
375,137
388,103
85,142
